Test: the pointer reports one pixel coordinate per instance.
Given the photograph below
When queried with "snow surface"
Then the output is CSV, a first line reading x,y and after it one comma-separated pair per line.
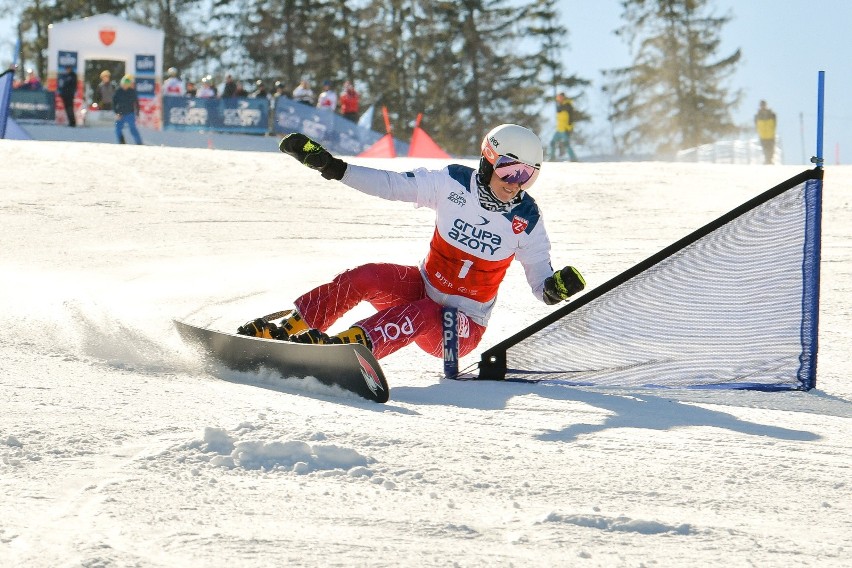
x,y
119,448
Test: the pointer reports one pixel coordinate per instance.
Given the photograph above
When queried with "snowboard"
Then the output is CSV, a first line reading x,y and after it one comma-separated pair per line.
x,y
351,367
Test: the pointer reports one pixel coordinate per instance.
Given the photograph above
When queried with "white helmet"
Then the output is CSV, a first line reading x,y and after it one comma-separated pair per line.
x,y
172,71
511,141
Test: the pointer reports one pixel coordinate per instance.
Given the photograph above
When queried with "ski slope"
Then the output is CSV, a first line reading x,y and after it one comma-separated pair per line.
x,y
118,448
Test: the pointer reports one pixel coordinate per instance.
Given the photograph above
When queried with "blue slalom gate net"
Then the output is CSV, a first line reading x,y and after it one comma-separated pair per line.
x,y
734,305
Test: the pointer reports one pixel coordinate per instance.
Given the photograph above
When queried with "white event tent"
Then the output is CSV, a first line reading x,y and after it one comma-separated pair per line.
x,y
134,49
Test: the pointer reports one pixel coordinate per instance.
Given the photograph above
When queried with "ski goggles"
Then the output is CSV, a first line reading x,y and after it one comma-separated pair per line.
x,y
512,170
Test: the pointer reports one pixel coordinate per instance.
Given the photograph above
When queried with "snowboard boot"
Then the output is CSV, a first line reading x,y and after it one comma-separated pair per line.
x,y
354,334
263,329
293,324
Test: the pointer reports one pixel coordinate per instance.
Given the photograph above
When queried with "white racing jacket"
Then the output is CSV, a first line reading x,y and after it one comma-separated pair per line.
x,y
472,247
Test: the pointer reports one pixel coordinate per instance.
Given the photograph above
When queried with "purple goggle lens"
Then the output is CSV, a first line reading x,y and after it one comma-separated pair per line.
x,y
512,170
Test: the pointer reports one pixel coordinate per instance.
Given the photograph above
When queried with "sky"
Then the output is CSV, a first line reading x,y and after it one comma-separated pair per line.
x,y
784,43
120,447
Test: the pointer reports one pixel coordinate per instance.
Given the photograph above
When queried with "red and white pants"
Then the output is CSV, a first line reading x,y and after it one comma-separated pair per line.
x,y
405,313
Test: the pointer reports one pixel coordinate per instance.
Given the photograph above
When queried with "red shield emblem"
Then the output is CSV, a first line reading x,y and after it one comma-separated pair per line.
x,y
519,225
107,36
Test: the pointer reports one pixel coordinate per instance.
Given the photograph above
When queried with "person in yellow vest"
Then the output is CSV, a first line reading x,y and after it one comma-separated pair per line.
x,y
564,126
764,122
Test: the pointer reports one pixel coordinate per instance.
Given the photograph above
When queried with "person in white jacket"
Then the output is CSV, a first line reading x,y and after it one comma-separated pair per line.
x,y
303,93
484,219
327,98
173,86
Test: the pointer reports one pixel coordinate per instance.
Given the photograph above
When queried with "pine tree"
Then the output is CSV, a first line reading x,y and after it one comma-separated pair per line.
x,y
186,39
486,72
672,97
390,59
543,25
269,37
459,62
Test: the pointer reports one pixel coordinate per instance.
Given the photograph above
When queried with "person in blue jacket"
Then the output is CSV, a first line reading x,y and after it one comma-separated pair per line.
x,y
125,104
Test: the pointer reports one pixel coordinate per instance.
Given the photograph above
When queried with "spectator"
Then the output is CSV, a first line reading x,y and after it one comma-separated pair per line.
x,y
206,91
173,86
240,90
279,90
126,105
764,122
564,126
349,102
105,91
328,98
229,90
67,92
259,90
303,93
190,89
32,82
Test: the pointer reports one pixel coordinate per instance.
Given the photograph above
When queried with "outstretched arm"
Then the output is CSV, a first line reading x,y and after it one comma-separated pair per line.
x,y
394,186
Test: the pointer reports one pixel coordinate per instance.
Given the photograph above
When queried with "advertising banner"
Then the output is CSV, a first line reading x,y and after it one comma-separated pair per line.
x,y
181,113
252,116
32,105
145,87
337,134
146,65
243,115
66,59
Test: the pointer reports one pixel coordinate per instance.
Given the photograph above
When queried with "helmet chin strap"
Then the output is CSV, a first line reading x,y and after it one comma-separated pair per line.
x,y
489,201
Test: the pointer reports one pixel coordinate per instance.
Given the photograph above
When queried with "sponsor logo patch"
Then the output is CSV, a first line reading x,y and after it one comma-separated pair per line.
x,y
475,239
519,225
456,198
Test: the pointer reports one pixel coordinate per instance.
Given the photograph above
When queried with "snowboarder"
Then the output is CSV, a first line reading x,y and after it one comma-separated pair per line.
x,y
484,219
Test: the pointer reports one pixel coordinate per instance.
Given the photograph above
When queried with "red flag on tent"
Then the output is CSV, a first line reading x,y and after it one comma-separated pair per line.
x,y
384,147
422,145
